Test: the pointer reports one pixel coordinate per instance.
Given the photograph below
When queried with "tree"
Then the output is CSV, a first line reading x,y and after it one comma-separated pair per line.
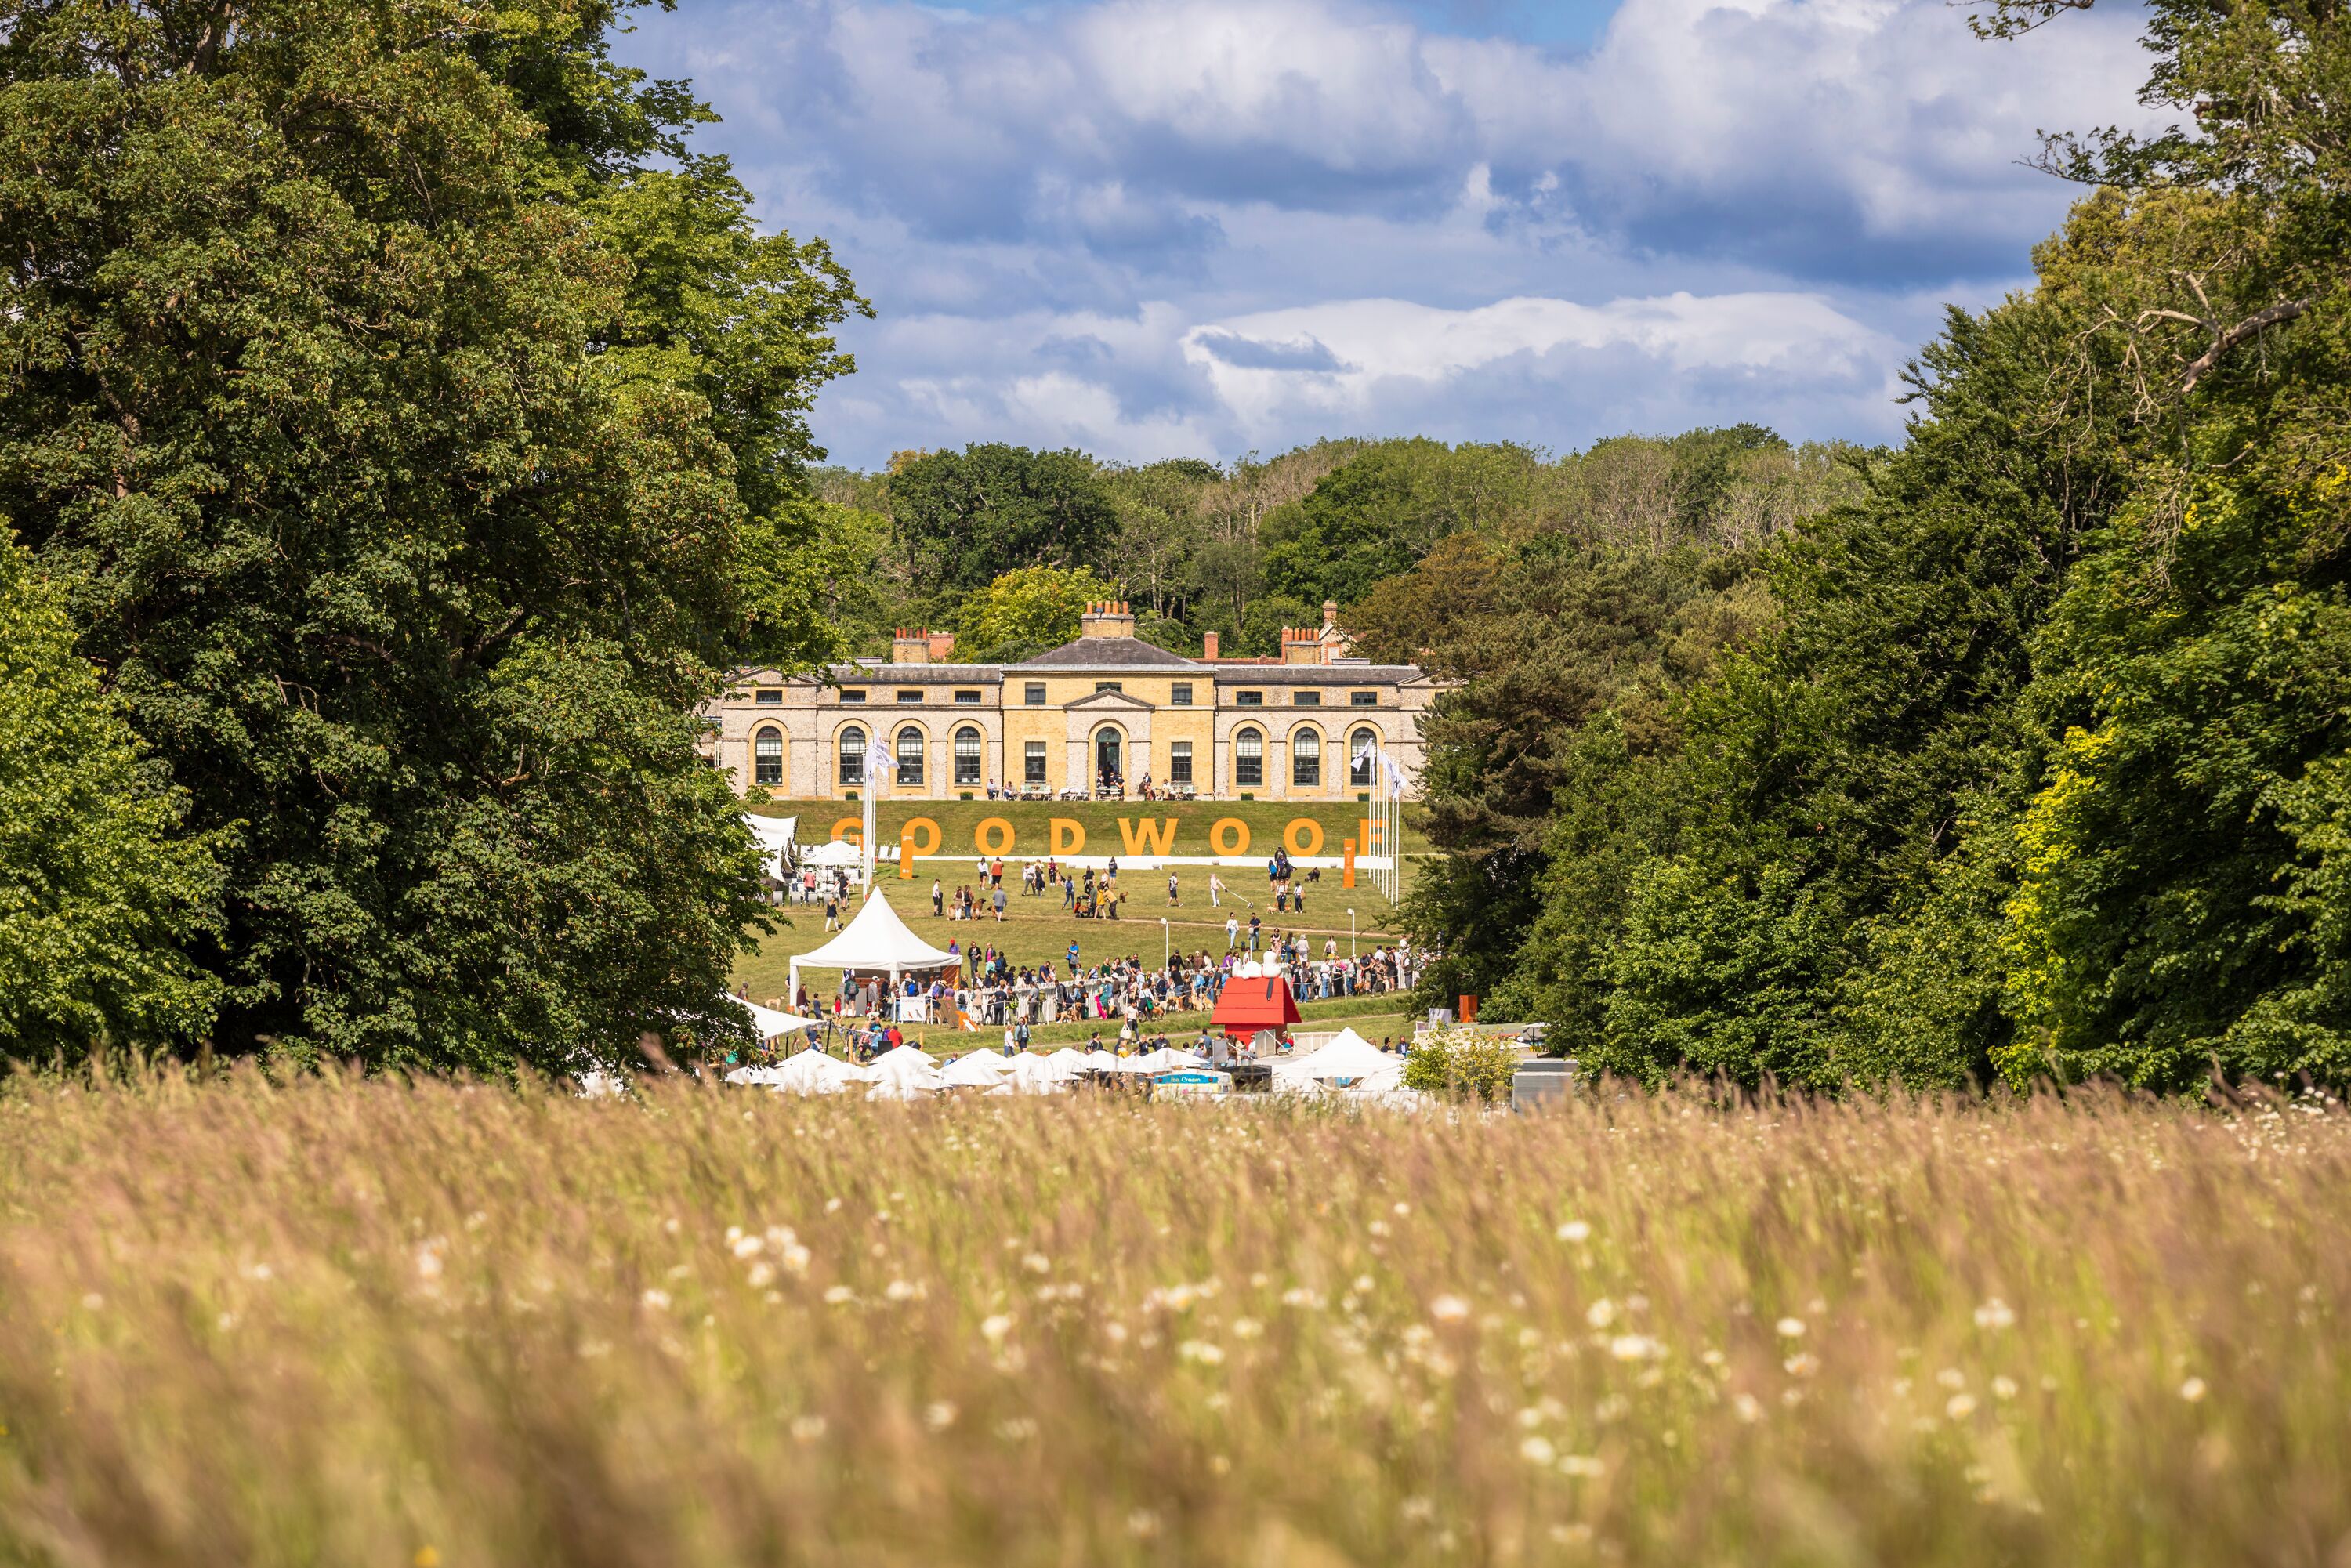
x,y
1024,612
407,536
101,889
962,517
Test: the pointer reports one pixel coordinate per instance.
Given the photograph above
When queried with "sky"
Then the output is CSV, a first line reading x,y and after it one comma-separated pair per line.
x,y
1157,228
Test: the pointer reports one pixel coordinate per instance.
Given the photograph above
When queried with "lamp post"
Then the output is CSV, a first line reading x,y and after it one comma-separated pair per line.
x,y
1164,940
1350,935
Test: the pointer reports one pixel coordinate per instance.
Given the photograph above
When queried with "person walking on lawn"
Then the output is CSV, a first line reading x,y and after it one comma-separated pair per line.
x,y
1173,902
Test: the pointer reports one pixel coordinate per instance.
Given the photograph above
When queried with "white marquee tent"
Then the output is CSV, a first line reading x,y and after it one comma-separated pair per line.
x,y
810,1073
832,852
876,942
1350,1061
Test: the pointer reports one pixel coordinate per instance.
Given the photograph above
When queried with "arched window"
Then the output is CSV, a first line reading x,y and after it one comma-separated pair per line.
x,y
910,757
1109,758
768,756
1306,759
1249,760
966,753
1360,766
853,756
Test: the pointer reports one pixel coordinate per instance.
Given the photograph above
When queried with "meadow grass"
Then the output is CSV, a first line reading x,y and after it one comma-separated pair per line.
x,y
373,1322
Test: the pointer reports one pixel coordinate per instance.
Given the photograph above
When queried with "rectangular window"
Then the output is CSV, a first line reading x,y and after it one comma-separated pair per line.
x,y
1180,694
852,696
1249,699
1306,699
1363,699
1109,686
967,756
1033,762
1034,694
771,694
909,699
1179,762
967,699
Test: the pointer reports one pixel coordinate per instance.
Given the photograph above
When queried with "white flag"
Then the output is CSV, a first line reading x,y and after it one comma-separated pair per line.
x,y
878,758
1365,752
1394,774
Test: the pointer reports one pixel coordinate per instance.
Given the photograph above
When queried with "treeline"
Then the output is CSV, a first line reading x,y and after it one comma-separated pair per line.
x,y
1003,545
2029,759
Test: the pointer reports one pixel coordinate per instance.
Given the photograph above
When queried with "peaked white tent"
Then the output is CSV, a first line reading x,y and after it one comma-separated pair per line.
x,y
1070,1059
832,852
1350,1060
876,942
1101,1061
1168,1059
810,1073
979,1069
904,1069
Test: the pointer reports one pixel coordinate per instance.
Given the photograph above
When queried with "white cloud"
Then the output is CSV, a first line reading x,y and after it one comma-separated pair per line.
x,y
1146,227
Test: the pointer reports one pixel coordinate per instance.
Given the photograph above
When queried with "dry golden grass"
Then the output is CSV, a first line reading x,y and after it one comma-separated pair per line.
x,y
370,1323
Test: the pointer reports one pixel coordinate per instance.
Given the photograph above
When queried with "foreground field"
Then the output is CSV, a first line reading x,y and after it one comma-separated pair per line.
x,y
448,1325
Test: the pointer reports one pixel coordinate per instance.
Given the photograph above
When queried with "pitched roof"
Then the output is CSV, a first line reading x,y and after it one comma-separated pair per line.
x,y
1107,653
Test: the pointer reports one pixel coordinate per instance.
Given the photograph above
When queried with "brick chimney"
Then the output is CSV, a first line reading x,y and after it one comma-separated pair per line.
x,y
942,647
910,645
1111,618
1301,645
1209,650
1330,615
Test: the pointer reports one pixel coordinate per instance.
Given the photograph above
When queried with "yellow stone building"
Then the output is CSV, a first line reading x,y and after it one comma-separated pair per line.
x,y
1107,705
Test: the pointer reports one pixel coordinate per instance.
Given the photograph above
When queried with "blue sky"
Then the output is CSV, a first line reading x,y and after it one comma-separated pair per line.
x,y
1151,228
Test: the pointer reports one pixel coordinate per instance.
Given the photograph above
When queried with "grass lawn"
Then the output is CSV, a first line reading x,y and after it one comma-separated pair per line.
x,y
1036,929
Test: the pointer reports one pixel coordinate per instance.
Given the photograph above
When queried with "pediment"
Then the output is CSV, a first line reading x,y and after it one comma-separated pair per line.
x,y
1114,701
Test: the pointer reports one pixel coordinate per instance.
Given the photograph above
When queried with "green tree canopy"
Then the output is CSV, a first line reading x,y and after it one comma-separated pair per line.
x,y
964,517
1027,611
101,892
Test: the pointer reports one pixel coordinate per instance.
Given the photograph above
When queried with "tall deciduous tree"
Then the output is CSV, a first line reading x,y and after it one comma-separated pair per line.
x,y
406,514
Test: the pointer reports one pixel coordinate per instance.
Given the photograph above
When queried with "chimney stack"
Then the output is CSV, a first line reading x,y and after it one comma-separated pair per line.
x,y
1111,618
910,645
1209,650
1301,645
942,646
1330,615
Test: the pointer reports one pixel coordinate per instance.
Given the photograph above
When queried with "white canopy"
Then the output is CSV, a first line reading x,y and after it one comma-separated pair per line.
x,y
775,836
979,1069
1350,1058
1101,1061
905,1068
876,942
1070,1059
1034,1075
832,852
810,1073
1167,1059
771,1023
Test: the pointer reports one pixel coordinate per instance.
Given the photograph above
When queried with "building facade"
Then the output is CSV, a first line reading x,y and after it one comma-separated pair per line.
x,y
1284,728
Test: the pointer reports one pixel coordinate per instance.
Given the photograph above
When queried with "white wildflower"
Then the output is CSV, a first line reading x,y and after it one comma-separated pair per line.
x,y
2192,1390
808,1429
1201,1351
938,1415
657,1299
1449,1308
1791,1328
1959,1407
1995,1315
1584,1467
1601,1313
1576,1231
995,1328
1536,1450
